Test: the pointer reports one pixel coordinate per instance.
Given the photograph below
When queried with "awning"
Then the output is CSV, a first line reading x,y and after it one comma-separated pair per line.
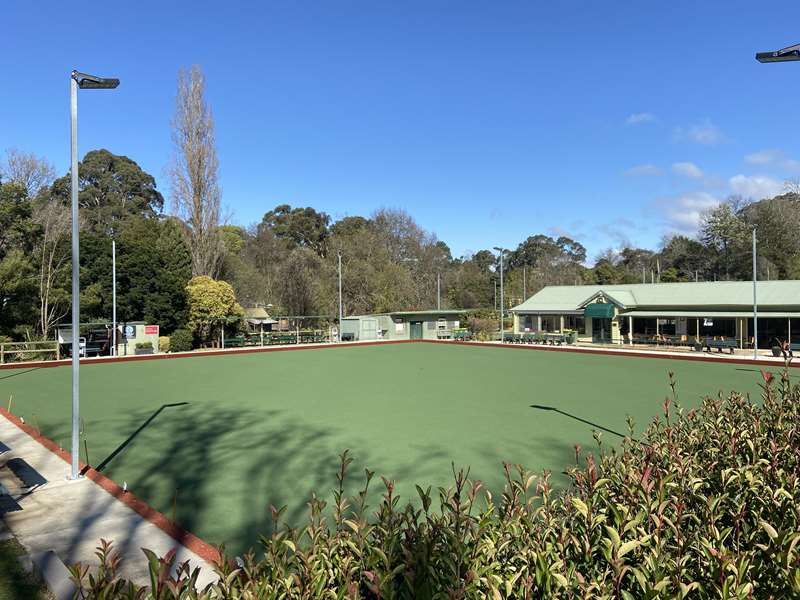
x,y
719,314
599,310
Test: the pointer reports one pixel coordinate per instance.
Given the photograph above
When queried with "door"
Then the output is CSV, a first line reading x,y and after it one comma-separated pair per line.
x,y
601,330
416,330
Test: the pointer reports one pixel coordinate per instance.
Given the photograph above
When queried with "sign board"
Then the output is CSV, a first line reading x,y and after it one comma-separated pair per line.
x,y
708,322
129,331
399,327
151,329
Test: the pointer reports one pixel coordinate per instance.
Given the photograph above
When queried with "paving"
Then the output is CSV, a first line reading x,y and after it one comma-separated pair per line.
x,y
71,517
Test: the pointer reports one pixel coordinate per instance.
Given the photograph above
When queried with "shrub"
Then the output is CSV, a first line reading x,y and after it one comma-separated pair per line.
x,y
143,345
163,343
703,505
181,340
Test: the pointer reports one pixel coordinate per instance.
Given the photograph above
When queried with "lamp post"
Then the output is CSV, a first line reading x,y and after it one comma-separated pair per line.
x,y
788,54
502,252
114,296
339,254
84,82
755,300
438,291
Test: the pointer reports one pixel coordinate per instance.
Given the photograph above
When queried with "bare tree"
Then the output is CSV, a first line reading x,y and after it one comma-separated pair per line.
x,y
196,195
52,254
28,170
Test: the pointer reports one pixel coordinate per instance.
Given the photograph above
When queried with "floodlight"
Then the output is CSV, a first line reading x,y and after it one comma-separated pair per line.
x,y
93,82
785,55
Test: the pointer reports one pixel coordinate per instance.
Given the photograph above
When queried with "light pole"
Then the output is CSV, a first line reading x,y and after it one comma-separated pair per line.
x,y
438,291
502,252
788,54
339,254
84,82
755,300
114,296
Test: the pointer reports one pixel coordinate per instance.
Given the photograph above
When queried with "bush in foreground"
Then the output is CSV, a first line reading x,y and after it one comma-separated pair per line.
x,y
704,505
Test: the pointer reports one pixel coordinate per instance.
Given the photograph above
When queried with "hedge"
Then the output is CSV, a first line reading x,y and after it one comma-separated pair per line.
x,y
703,505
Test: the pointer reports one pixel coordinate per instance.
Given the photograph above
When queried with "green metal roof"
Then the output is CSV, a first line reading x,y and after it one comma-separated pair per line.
x,y
686,296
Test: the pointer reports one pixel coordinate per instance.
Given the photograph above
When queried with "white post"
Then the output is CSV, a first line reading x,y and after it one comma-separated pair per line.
x,y
438,292
630,329
76,299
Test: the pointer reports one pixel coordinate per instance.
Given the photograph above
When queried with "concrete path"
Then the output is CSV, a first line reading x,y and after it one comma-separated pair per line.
x,y
70,517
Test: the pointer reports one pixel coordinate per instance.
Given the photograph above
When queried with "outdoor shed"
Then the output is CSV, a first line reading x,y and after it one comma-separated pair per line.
x,y
402,325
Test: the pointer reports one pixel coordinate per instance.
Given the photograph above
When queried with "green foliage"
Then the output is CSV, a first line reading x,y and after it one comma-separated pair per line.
x,y
300,226
211,303
181,340
703,505
163,343
111,189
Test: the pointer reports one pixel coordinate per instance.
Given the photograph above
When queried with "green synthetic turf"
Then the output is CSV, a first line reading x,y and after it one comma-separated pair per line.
x,y
266,428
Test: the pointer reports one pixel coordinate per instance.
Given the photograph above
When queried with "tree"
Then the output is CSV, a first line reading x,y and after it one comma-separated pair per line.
x,y
349,226
52,257
723,230
17,280
196,195
301,226
212,304
111,188
31,172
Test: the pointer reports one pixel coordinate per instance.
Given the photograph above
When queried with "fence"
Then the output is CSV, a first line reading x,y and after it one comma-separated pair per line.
x,y
14,351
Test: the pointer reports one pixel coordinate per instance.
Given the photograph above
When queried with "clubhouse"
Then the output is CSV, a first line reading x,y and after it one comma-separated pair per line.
x,y
665,312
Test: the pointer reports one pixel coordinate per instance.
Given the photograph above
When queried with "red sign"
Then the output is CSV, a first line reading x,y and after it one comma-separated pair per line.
x,y
151,329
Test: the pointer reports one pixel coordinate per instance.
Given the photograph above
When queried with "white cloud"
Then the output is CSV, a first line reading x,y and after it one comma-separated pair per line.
x,y
756,187
687,169
644,171
639,118
682,213
705,133
773,157
763,157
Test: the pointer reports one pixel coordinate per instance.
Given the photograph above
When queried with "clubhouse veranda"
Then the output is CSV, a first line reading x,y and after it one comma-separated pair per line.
x,y
665,312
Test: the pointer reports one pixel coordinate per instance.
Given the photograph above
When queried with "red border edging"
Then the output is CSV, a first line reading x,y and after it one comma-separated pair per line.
x,y
195,354
186,538
633,353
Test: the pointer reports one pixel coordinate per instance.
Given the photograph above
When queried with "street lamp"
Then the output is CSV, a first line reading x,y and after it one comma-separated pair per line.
x,y
84,82
786,55
502,252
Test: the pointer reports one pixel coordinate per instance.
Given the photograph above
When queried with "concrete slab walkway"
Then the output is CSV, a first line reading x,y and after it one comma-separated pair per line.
x,y
70,517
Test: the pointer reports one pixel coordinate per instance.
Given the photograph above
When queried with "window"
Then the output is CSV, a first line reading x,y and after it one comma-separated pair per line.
x,y
574,322
431,324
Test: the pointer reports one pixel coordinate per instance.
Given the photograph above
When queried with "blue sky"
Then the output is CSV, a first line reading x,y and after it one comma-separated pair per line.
x,y
611,122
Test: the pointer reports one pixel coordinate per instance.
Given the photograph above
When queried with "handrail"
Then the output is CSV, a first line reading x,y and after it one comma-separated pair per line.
x,y
20,348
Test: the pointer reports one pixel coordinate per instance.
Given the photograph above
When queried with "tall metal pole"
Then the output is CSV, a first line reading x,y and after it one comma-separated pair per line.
x,y
755,300
114,296
76,299
438,291
524,282
502,305
340,295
